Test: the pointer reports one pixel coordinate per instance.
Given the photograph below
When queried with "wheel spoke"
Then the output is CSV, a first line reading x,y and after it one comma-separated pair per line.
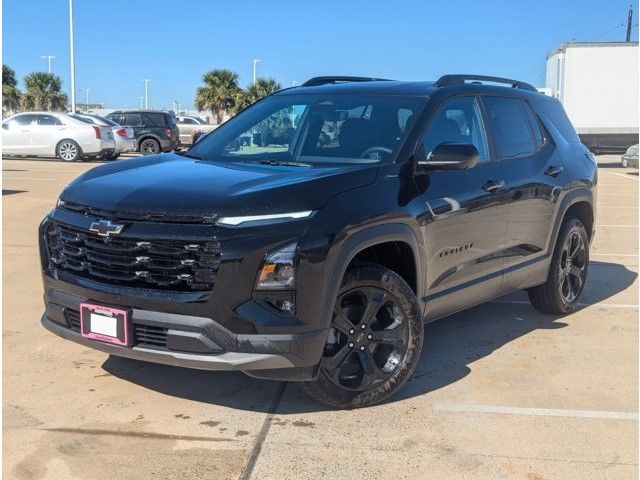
x,y
576,271
375,300
574,245
391,336
341,322
335,361
370,370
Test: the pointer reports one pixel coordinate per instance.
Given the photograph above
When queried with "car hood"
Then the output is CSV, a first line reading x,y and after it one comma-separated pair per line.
x,y
178,185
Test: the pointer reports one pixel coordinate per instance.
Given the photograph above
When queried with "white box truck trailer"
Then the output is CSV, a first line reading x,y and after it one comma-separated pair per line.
x,y
597,83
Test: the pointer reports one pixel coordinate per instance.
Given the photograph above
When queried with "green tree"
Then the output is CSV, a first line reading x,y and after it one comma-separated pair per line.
x,y
10,93
220,93
258,90
43,91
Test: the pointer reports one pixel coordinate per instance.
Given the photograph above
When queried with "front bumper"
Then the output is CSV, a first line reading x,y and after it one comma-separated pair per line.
x,y
221,361
185,340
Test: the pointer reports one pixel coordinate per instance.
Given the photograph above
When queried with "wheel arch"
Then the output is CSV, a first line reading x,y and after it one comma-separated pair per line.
x,y
365,244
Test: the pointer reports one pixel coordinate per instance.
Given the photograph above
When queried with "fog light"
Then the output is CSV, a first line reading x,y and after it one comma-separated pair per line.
x,y
277,271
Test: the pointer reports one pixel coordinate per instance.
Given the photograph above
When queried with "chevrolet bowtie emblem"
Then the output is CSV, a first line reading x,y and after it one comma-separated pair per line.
x,y
105,228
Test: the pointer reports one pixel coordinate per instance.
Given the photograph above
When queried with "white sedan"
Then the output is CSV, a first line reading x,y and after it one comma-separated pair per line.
x,y
53,134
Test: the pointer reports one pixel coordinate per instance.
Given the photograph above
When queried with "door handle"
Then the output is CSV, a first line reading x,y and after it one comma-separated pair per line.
x,y
492,186
553,171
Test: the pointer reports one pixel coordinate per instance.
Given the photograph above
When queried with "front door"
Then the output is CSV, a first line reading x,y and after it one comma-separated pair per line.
x,y
465,219
16,135
45,133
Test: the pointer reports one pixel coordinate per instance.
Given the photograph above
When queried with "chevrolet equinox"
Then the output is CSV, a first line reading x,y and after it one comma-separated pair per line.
x,y
310,237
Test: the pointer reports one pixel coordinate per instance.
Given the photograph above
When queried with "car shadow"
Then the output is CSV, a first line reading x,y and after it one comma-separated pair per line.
x,y
451,345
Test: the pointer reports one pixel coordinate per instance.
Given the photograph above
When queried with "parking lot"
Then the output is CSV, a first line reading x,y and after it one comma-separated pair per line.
x,y
501,390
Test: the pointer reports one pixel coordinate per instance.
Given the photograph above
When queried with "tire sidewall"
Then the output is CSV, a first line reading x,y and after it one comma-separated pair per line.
x,y
75,144
573,225
390,282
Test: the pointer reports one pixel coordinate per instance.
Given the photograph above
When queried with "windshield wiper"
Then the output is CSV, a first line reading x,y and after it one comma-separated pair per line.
x,y
288,163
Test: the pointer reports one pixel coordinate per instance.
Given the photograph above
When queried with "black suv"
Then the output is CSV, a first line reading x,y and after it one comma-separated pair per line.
x,y
311,236
155,132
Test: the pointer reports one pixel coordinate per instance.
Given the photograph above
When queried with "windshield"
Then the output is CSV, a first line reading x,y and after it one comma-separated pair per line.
x,y
314,129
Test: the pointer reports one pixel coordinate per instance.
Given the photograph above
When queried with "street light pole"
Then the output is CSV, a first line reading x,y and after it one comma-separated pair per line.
x,y
255,61
73,67
141,99
146,96
86,91
49,58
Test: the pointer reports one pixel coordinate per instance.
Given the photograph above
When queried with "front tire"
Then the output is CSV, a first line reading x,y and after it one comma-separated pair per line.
x,y
562,291
374,343
68,151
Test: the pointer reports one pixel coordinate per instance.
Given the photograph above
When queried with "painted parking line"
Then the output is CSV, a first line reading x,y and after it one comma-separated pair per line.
x,y
530,411
30,178
623,175
591,255
583,305
618,206
616,226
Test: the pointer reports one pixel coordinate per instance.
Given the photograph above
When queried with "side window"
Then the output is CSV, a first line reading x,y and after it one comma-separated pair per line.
x,y
20,120
459,121
538,136
48,120
510,127
152,119
188,121
132,119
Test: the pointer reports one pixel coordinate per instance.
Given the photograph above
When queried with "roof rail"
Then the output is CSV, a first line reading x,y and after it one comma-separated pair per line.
x,y
460,79
315,81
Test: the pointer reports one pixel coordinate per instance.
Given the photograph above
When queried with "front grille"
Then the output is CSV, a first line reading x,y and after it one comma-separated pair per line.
x,y
143,335
150,336
73,319
174,265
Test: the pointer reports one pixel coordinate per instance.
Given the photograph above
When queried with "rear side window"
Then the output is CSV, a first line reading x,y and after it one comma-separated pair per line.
x,y
153,119
511,129
552,109
536,128
21,120
131,119
48,120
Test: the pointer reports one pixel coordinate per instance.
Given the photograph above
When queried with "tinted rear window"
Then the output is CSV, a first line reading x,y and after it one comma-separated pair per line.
x,y
552,109
153,119
511,129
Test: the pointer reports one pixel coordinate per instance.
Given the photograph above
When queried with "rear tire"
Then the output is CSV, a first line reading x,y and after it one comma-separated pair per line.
x,y
111,157
68,151
374,343
149,146
562,291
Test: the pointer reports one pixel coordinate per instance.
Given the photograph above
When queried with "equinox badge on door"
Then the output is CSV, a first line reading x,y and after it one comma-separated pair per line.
x,y
105,228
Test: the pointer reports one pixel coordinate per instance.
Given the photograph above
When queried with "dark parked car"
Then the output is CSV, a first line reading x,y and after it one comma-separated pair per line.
x,y
155,132
317,256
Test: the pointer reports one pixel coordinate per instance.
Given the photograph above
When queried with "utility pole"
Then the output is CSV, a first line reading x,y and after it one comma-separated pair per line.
x,y
73,66
49,58
629,20
255,62
146,96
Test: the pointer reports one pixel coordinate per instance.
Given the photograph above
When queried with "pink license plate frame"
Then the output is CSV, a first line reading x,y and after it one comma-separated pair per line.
x,y
121,316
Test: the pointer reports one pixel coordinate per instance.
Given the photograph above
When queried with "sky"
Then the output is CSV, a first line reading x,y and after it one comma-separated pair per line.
x,y
173,43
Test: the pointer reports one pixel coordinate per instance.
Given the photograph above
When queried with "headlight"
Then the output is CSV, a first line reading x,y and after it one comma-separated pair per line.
x,y
249,220
277,271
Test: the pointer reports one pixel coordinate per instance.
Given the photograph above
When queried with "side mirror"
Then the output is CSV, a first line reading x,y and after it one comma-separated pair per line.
x,y
451,156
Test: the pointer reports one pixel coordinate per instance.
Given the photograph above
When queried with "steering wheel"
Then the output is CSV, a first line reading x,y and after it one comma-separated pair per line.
x,y
378,148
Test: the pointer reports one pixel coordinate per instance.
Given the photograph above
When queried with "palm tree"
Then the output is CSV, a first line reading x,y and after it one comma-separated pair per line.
x,y
43,92
10,93
258,90
220,93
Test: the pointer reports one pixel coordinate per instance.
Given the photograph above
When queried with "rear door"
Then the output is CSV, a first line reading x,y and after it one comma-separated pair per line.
x,y
465,220
46,131
534,173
